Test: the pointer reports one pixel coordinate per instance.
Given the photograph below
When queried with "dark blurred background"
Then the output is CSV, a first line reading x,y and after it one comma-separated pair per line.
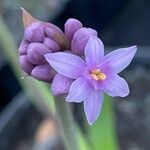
x,y
119,23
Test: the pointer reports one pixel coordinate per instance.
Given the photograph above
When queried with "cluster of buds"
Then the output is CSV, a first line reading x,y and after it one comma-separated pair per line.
x,y
41,38
83,71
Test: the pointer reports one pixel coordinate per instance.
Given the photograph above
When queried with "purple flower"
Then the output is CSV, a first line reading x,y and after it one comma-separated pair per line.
x,y
94,76
41,38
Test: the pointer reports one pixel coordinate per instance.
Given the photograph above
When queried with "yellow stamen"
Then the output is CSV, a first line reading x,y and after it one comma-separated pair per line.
x,y
101,76
94,76
95,71
97,75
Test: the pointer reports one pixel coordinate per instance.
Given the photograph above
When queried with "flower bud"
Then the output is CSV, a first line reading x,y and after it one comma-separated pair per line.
x,y
52,45
36,52
71,26
23,47
57,35
41,38
34,32
43,73
81,38
25,64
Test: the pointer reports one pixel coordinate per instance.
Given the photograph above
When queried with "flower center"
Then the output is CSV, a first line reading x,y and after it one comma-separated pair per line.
x,y
97,75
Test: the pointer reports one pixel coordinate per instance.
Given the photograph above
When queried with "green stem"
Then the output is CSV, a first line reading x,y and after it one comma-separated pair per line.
x,y
67,123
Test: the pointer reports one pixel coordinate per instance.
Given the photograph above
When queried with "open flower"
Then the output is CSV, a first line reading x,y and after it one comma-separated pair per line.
x,y
94,76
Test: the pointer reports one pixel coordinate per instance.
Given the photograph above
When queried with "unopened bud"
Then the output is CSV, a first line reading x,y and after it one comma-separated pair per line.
x,y
23,47
36,52
57,35
34,32
80,39
71,26
25,64
52,45
43,73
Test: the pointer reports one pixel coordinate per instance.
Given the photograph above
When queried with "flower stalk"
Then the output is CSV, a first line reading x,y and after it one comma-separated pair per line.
x,y
67,123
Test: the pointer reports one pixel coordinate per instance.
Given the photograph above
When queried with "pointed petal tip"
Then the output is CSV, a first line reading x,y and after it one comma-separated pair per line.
x,y
48,56
90,122
119,59
134,48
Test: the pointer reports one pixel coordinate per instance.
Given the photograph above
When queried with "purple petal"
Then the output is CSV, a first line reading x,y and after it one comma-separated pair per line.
x,y
61,84
71,26
25,64
34,32
120,58
57,35
80,39
43,73
23,47
66,64
94,51
79,90
52,45
115,86
36,52
93,105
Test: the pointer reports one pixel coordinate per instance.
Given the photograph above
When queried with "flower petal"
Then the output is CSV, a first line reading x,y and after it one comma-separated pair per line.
x,y
80,39
66,64
93,105
116,86
79,90
94,51
61,84
120,58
